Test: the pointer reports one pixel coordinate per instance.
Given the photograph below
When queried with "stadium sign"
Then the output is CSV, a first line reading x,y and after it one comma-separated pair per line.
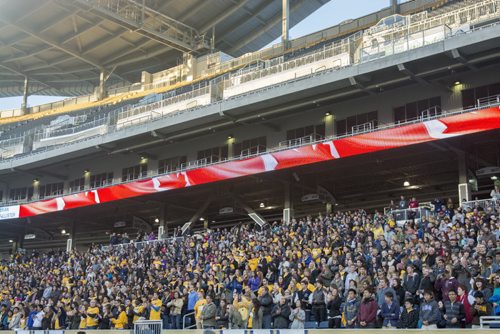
x,y
384,139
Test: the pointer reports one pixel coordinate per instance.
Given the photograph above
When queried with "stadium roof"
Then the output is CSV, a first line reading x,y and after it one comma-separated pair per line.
x,y
62,45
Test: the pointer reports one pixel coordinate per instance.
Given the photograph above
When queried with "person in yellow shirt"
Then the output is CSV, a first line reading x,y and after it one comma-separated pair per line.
x,y
198,307
138,309
122,321
93,315
155,308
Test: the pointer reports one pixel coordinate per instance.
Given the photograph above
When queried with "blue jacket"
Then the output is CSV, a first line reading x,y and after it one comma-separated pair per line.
x,y
390,314
192,299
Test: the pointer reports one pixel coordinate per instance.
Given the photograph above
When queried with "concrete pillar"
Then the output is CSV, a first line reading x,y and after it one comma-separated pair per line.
x,y
329,125
86,179
464,188
72,237
394,6
230,147
329,208
288,205
146,80
163,229
285,18
24,104
101,90
36,189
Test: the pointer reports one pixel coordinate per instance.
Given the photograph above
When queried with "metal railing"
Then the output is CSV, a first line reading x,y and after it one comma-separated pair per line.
x,y
492,203
212,161
148,327
489,320
300,141
186,316
403,215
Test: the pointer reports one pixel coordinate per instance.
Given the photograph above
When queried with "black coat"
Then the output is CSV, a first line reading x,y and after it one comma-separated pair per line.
x,y
281,315
409,320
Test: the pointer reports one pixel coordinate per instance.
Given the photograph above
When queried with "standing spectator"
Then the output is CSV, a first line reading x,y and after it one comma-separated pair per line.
x,y
235,321
297,316
409,315
453,311
256,315
351,309
318,303
445,283
266,302
402,203
155,308
334,303
281,314
429,311
175,307
208,314
15,321
411,281
367,314
198,308
463,297
390,312
222,315
480,309
383,287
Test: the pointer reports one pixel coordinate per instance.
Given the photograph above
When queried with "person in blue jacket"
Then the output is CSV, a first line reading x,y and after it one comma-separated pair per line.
x,y
390,311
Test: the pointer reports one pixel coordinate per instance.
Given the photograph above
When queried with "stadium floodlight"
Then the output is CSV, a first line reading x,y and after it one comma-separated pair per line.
x,y
157,220
406,184
63,232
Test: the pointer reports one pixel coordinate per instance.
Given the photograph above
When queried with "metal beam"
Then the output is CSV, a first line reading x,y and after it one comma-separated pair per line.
x,y
455,54
148,22
222,16
13,70
403,69
355,83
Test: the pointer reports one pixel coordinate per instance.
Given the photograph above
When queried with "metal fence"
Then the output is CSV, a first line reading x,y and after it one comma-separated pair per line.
x,y
148,327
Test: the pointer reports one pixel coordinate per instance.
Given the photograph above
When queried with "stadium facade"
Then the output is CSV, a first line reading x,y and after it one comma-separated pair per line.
x,y
401,102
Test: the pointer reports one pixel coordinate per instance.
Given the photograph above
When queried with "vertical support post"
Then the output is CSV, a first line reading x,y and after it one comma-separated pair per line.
x,y
163,229
285,23
86,179
212,41
24,104
464,190
329,125
101,90
72,240
394,6
230,147
288,205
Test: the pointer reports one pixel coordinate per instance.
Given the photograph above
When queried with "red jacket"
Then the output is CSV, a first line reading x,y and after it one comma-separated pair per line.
x,y
368,311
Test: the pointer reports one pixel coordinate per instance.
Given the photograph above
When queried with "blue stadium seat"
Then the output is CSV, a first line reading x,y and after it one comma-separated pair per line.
x,y
323,325
311,325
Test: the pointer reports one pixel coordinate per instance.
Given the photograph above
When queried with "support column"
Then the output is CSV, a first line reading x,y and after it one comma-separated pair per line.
x,y
285,23
329,125
394,6
464,189
71,242
230,146
101,90
162,229
288,205
86,179
24,104
36,189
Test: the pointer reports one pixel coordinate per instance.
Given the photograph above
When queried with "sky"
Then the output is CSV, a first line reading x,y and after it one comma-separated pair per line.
x,y
328,15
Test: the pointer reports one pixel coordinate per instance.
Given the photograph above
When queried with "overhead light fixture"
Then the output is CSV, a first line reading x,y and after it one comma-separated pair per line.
x,y
327,114
86,171
262,205
471,180
36,180
144,160
494,177
230,137
11,241
456,83
406,183
202,219
63,232
157,220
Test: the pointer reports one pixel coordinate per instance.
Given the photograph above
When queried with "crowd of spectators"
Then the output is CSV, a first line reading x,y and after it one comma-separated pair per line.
x,y
344,269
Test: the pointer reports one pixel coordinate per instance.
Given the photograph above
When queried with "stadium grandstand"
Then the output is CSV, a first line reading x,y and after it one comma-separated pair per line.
x,y
194,178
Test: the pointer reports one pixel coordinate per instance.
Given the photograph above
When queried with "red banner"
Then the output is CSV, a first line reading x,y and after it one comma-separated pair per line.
x,y
467,123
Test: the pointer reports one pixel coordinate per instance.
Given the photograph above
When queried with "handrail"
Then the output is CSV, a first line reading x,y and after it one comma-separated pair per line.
x,y
184,321
489,320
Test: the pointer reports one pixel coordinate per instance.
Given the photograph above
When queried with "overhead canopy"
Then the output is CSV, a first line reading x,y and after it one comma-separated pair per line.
x,y
62,46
